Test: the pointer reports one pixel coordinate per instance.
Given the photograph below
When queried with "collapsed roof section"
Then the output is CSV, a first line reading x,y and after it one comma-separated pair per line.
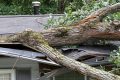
x,y
30,55
92,55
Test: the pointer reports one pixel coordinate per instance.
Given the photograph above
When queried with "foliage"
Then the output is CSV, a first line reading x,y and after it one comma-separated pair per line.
x,y
48,7
9,9
73,17
15,7
111,17
51,6
25,6
73,6
115,58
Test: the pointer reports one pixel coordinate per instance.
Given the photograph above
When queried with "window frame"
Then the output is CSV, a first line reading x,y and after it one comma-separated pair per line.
x,y
11,71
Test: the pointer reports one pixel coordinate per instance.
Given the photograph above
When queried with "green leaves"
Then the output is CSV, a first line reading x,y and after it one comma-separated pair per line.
x,y
115,57
74,9
71,17
4,10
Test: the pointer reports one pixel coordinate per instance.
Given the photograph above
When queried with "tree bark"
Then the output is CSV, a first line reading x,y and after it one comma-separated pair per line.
x,y
35,41
90,27
74,35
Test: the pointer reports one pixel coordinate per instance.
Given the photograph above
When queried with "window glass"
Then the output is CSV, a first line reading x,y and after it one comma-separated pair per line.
x,y
69,76
5,76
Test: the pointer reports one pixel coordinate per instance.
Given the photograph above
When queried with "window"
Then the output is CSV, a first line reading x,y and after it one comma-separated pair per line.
x,y
7,74
69,76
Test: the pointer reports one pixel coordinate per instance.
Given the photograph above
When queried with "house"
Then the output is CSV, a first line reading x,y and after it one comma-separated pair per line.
x,y
18,62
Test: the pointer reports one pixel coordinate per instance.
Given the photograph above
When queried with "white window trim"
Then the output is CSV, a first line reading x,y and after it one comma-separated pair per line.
x,y
11,71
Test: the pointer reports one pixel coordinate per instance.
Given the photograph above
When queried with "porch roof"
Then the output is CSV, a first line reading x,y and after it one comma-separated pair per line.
x,y
30,55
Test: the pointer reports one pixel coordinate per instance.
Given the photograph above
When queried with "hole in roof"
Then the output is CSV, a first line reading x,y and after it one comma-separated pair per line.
x,y
16,46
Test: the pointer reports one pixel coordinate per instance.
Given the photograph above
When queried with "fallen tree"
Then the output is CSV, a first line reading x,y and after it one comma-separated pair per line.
x,y
90,27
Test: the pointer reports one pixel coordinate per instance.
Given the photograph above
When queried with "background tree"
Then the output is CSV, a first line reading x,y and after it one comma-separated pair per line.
x,y
25,7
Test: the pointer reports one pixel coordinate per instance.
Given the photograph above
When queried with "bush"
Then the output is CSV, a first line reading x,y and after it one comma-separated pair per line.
x,y
5,10
11,7
115,58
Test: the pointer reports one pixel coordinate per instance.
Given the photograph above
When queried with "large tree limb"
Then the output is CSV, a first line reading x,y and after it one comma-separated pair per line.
x,y
74,35
35,41
90,27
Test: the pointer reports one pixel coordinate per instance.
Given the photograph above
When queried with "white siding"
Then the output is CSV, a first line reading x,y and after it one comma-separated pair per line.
x,y
7,63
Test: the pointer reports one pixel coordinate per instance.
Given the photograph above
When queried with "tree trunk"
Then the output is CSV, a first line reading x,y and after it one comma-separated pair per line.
x,y
35,41
90,27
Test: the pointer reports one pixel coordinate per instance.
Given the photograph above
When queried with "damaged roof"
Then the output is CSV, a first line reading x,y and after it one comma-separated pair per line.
x,y
82,53
92,55
24,54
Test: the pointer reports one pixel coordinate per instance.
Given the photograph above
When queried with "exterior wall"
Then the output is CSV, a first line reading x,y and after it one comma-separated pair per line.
x,y
7,63
23,74
69,76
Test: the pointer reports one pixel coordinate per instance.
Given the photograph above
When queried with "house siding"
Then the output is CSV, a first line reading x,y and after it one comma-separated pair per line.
x,y
7,63
23,74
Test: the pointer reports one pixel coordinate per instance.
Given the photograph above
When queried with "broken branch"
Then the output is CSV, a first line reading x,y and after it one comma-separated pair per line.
x,y
35,41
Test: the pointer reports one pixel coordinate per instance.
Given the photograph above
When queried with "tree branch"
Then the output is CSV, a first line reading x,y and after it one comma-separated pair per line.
x,y
74,35
90,27
35,41
98,15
